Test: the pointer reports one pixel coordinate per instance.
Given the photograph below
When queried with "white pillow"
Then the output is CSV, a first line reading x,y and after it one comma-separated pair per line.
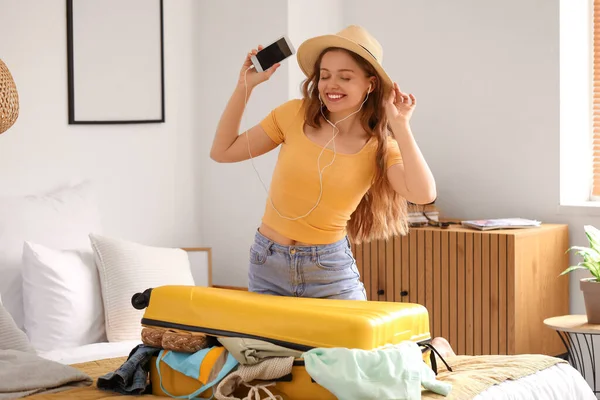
x,y
127,268
61,219
61,298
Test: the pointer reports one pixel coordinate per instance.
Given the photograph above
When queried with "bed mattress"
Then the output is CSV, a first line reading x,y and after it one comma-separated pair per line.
x,y
90,352
558,382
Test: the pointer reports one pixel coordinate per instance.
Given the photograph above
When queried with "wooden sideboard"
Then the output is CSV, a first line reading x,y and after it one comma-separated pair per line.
x,y
486,292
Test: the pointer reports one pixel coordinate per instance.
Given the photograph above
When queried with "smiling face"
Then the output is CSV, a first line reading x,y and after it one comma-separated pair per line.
x,y
343,83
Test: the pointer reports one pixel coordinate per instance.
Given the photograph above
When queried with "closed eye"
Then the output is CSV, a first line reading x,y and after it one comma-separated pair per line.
x,y
327,77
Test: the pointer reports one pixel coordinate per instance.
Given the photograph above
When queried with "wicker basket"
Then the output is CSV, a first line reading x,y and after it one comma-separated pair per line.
x,y
9,99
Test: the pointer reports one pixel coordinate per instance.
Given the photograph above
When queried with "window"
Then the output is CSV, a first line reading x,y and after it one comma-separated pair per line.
x,y
579,161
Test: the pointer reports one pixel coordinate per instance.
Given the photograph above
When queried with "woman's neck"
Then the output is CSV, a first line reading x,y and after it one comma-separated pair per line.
x,y
345,121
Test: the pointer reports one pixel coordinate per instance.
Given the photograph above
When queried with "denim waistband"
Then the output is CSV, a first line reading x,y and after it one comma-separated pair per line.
x,y
303,249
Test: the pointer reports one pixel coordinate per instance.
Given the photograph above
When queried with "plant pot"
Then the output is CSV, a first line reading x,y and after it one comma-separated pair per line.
x,y
591,295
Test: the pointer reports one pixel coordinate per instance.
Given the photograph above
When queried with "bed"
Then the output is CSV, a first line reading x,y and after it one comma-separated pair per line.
x,y
557,382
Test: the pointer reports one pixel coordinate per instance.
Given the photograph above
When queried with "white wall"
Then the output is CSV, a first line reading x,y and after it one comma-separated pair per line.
x,y
145,185
486,76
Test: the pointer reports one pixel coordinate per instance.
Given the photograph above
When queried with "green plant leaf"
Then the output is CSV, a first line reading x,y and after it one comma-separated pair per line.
x,y
588,265
594,268
590,255
593,235
572,268
586,252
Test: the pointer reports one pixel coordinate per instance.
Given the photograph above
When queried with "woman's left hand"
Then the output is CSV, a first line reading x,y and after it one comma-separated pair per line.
x,y
399,106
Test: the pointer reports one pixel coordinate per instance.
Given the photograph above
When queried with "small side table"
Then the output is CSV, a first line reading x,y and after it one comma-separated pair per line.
x,y
578,337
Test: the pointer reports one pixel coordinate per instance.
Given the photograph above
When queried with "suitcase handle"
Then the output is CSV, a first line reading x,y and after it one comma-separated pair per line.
x,y
289,377
139,301
434,352
286,378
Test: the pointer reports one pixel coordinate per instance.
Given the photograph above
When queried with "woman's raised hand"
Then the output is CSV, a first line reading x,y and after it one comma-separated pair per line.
x,y
250,76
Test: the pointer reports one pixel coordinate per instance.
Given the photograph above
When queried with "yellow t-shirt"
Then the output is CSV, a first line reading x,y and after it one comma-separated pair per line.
x,y
295,184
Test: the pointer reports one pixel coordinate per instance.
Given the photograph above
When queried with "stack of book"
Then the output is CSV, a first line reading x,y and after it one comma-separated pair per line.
x,y
419,213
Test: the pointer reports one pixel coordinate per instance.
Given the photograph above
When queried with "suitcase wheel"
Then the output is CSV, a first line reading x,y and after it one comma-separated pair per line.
x,y
139,301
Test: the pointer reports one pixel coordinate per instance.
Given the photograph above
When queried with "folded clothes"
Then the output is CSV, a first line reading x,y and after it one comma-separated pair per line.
x,y
251,351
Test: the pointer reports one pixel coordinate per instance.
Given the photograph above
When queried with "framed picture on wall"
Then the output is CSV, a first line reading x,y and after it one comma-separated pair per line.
x,y
201,264
115,61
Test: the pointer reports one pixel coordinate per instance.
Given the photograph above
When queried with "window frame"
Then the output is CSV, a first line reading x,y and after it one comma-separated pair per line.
x,y
576,105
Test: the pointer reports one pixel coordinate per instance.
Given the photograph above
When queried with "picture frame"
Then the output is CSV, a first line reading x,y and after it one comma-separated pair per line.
x,y
115,62
200,264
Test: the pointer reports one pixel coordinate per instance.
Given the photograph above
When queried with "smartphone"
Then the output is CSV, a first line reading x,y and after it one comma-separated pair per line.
x,y
272,54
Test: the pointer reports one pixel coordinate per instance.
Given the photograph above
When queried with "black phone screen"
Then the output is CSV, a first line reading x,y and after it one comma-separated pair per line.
x,y
273,54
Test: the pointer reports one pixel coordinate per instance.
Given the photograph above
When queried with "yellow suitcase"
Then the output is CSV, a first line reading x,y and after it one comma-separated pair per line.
x,y
291,322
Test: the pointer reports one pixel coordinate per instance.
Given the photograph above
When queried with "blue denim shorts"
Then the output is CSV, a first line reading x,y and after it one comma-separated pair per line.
x,y
323,271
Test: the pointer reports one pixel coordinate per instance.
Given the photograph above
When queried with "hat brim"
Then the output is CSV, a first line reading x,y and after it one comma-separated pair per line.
x,y
309,52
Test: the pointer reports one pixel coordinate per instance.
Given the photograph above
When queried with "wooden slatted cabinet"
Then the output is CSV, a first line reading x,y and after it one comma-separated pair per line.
x,y
486,292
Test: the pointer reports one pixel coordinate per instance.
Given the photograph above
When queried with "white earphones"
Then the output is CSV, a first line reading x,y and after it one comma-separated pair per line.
x,y
334,125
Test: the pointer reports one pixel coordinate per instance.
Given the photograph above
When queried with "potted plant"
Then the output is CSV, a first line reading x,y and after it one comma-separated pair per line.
x,y
591,262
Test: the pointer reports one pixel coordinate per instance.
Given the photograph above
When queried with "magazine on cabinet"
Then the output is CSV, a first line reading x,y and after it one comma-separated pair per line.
x,y
501,223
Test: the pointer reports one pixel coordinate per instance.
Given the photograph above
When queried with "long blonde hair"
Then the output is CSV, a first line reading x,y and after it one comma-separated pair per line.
x,y
382,213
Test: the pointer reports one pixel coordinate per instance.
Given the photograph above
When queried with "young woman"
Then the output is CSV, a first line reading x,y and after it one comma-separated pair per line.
x,y
347,165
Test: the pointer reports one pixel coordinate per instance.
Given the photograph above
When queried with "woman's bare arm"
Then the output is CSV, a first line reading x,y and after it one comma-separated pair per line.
x,y
412,179
228,144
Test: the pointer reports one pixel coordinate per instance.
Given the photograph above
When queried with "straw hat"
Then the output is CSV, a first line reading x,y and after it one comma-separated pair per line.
x,y
353,38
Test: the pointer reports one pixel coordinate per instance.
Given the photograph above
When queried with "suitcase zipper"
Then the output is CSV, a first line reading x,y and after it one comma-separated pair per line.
x,y
218,332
